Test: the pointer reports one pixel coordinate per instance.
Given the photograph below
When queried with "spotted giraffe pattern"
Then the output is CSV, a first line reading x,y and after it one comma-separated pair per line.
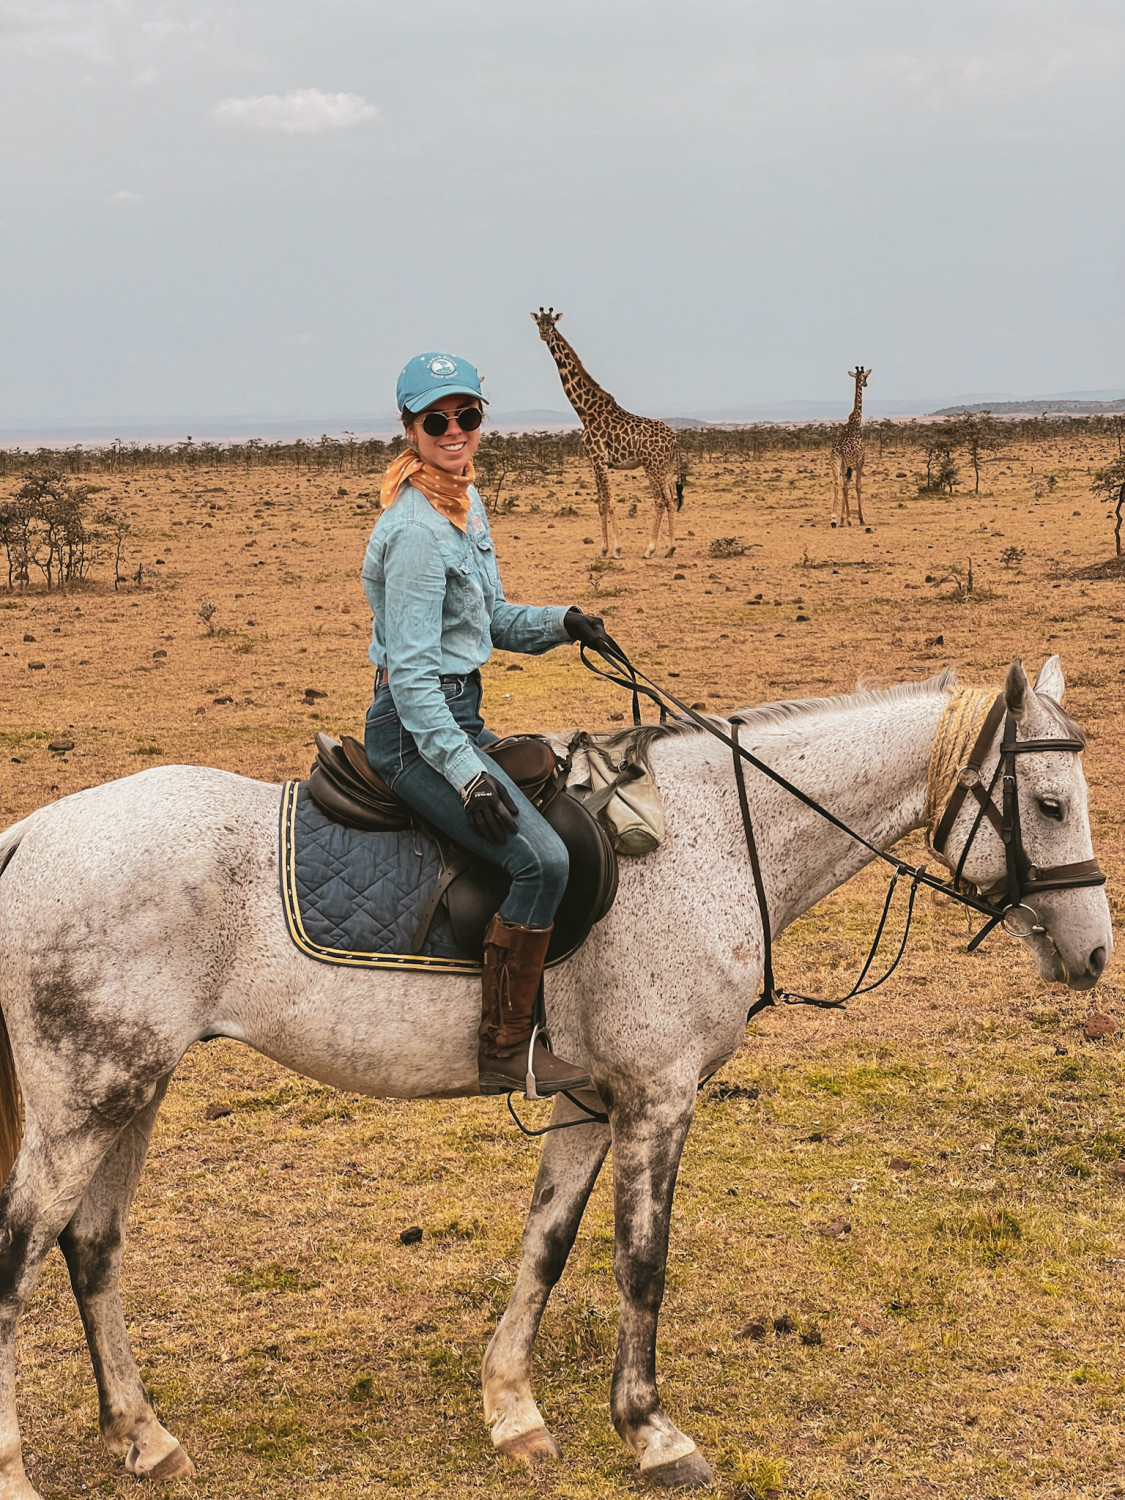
x,y
616,439
847,458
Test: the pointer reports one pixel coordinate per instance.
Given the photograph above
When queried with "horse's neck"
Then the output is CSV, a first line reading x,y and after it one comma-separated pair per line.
x,y
866,763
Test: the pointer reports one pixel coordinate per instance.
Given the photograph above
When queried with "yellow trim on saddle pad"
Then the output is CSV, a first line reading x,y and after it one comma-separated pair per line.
x,y
287,854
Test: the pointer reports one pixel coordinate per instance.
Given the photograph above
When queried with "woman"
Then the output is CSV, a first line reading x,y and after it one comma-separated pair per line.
x,y
430,576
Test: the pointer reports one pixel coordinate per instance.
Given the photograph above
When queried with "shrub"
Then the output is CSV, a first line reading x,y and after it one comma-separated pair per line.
x,y
727,546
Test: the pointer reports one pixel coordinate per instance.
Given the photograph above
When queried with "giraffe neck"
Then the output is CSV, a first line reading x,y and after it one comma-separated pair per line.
x,y
857,410
582,390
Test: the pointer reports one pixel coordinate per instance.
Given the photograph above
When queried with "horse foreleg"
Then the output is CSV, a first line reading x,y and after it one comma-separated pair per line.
x,y
568,1169
648,1138
93,1243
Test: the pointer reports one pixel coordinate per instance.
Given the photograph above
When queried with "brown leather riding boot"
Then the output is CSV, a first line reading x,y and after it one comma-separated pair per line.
x,y
513,966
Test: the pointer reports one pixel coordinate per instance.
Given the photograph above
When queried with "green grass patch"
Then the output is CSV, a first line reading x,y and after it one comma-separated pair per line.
x,y
271,1278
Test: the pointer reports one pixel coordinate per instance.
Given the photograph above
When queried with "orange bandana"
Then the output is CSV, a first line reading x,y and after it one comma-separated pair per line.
x,y
447,493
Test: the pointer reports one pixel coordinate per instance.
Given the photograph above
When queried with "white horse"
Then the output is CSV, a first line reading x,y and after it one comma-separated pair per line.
x,y
142,916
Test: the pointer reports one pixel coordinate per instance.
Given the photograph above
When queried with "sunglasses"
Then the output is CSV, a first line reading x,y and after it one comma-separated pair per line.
x,y
436,423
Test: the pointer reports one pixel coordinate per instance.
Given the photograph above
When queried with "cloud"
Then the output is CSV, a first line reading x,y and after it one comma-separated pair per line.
x,y
125,196
301,112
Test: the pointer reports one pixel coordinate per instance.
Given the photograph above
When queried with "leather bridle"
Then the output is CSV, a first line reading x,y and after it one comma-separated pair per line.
x,y
1021,877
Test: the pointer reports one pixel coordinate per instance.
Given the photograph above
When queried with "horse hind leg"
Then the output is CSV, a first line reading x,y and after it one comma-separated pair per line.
x,y
93,1243
568,1169
44,1188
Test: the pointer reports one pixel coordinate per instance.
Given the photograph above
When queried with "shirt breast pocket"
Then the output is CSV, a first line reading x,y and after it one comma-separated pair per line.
x,y
472,595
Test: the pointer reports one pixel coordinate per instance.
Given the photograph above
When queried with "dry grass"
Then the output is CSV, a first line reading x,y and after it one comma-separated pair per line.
x,y
962,1338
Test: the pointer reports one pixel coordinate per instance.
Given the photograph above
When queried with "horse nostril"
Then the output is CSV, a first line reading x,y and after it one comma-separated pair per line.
x,y
1097,961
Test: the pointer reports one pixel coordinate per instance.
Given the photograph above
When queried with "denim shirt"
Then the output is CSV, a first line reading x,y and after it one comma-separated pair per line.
x,y
439,609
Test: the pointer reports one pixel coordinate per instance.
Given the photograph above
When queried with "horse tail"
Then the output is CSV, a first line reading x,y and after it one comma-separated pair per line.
x,y
679,494
11,1099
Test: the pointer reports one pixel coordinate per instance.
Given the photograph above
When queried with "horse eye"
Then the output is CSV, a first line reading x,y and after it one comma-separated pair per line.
x,y
1050,808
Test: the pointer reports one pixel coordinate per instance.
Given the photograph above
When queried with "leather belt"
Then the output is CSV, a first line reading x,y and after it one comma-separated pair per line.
x,y
383,680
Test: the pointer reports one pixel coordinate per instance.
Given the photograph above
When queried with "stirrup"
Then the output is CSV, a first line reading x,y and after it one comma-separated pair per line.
x,y
529,1089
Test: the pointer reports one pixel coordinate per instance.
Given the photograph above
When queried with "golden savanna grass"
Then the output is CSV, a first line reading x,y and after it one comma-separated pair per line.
x,y
961,1338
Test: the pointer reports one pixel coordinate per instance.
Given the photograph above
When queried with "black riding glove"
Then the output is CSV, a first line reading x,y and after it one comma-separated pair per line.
x,y
489,808
589,630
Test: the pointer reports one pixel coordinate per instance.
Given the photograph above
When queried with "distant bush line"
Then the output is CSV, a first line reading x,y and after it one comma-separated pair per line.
x,y
543,450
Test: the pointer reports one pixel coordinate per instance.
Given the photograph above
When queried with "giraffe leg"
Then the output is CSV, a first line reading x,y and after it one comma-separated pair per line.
x,y
835,491
859,495
661,506
605,508
670,512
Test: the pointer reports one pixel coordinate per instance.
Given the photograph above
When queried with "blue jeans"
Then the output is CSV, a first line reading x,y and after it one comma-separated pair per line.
x,y
534,856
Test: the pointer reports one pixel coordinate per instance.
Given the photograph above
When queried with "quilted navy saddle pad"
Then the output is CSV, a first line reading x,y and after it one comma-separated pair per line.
x,y
359,898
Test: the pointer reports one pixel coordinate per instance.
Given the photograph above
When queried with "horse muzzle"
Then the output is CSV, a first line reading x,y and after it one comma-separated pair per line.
x,y
1073,947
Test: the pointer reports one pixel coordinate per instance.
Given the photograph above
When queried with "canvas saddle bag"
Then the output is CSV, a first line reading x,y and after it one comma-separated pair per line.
x,y
618,790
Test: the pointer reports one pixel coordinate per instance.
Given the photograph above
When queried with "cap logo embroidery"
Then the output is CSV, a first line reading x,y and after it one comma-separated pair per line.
x,y
443,367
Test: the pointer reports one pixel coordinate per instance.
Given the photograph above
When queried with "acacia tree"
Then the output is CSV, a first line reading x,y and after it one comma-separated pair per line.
x,y
979,435
1109,484
47,526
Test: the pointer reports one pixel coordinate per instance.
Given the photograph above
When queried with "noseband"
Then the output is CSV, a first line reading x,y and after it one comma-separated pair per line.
x,y
1022,878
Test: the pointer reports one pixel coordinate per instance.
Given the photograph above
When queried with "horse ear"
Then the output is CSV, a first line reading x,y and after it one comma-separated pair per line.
x,y
1017,689
1051,680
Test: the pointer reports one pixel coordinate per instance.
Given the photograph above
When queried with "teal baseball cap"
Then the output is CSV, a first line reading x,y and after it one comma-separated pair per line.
x,y
428,377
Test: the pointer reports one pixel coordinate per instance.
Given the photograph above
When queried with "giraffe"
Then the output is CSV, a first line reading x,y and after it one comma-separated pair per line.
x,y
616,439
847,457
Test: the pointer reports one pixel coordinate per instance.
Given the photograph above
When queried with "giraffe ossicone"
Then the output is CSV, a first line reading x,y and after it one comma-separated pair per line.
x,y
614,438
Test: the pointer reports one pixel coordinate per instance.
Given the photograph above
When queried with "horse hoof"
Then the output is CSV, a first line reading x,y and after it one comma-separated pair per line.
x,y
174,1465
691,1472
536,1446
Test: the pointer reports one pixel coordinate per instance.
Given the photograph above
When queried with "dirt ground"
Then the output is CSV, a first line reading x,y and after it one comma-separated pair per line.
x,y
962,1337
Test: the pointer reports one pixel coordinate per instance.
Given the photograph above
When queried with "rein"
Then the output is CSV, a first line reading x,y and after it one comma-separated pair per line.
x,y
1022,877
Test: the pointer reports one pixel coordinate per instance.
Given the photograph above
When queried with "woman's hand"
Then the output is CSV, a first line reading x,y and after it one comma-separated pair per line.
x,y
489,808
590,631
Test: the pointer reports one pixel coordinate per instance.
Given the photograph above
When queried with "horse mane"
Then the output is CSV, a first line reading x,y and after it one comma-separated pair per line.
x,y
638,741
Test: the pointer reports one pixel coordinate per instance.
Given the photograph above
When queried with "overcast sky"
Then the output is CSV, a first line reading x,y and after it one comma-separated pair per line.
x,y
265,206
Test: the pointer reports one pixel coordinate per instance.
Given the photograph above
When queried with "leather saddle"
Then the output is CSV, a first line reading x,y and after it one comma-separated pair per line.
x,y
346,789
